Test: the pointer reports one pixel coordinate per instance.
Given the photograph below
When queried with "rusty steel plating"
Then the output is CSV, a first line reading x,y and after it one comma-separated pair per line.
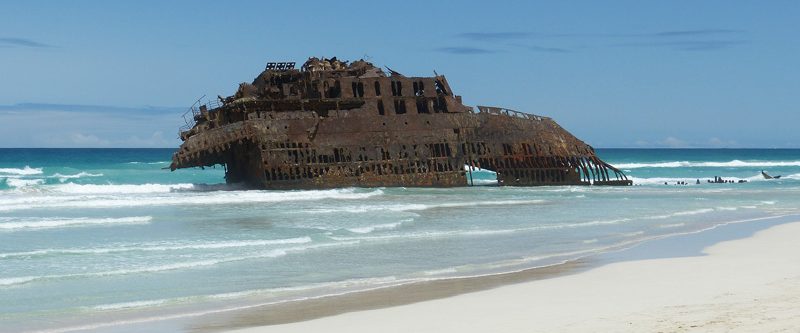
x,y
334,124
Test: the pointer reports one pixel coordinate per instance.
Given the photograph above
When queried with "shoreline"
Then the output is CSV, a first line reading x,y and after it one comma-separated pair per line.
x,y
379,298
330,309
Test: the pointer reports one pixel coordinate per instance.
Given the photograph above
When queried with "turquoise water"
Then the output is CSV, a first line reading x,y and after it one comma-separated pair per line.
x,y
90,236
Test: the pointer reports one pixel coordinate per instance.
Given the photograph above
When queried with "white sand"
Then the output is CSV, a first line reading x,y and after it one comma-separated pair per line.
x,y
748,285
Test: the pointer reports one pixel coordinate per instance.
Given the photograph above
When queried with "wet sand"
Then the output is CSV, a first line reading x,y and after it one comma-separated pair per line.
x,y
376,299
746,284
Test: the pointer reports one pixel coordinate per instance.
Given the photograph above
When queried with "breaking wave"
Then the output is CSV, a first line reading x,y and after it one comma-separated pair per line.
x,y
689,164
161,247
64,178
107,197
368,229
168,267
419,207
49,223
123,188
473,233
26,171
151,163
688,180
129,305
20,182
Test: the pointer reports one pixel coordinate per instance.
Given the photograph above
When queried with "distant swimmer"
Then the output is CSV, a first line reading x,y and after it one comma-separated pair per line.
x,y
698,182
767,176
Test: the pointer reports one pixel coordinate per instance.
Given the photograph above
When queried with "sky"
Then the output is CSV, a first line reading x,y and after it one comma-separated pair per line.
x,y
649,74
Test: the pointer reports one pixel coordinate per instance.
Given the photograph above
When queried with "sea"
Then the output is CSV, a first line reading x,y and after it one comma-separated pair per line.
x,y
93,239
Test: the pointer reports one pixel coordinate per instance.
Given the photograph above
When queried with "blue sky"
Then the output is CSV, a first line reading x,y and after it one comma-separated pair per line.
x,y
615,73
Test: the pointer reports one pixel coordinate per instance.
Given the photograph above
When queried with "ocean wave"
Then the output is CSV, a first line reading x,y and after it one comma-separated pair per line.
x,y
681,213
148,247
16,280
49,223
22,182
273,253
707,164
688,180
122,188
419,207
673,225
26,171
129,305
368,229
428,235
64,178
112,199
478,232
151,163
632,234
358,283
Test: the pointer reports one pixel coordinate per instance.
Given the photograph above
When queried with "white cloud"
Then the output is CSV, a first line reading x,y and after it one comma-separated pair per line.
x,y
87,127
87,140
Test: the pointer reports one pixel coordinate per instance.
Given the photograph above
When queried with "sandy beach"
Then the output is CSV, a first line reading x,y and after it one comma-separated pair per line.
x,y
747,285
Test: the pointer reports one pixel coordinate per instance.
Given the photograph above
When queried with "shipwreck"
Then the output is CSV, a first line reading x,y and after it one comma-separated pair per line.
x,y
331,123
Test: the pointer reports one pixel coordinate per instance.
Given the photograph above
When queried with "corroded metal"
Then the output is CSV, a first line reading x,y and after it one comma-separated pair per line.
x,y
334,124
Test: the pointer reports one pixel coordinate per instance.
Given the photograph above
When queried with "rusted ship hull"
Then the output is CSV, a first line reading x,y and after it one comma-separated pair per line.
x,y
365,141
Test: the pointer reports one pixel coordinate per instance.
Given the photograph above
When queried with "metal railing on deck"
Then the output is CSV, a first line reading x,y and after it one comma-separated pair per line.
x,y
190,116
508,112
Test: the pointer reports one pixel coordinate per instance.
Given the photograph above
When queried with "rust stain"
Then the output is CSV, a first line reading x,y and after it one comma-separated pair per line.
x,y
334,124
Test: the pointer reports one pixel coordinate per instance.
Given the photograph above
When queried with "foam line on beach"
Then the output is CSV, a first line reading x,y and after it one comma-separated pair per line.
x,y
334,285
17,224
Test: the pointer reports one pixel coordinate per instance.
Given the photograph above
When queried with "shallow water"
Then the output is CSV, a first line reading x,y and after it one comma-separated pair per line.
x,y
99,235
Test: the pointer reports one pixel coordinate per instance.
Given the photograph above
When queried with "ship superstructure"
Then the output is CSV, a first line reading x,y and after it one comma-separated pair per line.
x,y
336,124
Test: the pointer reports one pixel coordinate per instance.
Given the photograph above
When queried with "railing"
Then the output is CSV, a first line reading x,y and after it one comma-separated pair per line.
x,y
508,112
190,116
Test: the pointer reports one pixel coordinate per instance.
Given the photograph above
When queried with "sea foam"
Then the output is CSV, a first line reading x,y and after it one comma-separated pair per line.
x,y
150,247
121,189
64,178
420,207
48,223
26,171
21,182
110,196
707,164
273,253
368,229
